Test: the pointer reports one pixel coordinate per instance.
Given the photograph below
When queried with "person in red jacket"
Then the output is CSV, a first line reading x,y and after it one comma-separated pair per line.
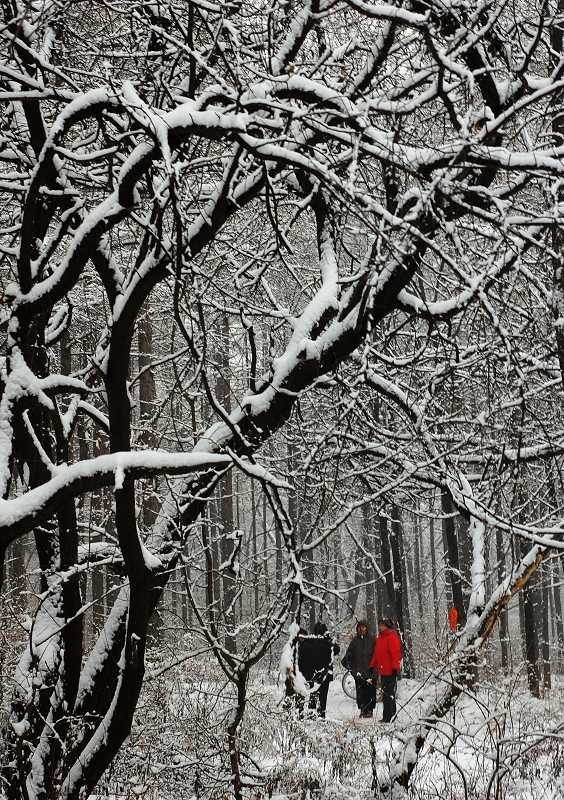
x,y
385,662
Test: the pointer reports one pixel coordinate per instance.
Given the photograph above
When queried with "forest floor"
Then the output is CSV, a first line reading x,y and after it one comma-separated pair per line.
x,y
493,746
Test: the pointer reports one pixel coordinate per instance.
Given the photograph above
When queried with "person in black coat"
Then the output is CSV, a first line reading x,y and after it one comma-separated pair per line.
x,y
357,661
315,662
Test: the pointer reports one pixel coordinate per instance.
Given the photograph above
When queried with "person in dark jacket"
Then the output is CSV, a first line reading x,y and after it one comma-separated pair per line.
x,y
357,661
386,662
315,662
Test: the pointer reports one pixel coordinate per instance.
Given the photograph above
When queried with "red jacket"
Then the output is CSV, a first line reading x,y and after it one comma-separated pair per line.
x,y
387,653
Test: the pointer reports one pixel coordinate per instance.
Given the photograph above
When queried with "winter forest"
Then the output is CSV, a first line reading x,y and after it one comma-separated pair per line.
x,y
282,343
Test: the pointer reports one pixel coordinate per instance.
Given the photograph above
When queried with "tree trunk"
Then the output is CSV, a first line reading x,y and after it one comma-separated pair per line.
x,y
381,585
417,575
254,535
503,620
544,576
434,587
226,505
530,600
370,577
147,403
402,593
295,513
450,541
557,606
390,608
210,571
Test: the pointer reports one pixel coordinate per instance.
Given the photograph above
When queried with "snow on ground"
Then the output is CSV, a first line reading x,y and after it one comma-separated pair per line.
x,y
180,741
484,749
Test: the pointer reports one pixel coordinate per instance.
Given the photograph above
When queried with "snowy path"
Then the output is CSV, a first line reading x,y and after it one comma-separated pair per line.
x,y
341,707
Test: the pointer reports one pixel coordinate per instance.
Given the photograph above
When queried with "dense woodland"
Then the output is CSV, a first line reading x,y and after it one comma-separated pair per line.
x,y
282,325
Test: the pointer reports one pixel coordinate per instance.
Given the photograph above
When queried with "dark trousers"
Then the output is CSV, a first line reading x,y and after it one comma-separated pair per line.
x,y
365,695
389,685
318,699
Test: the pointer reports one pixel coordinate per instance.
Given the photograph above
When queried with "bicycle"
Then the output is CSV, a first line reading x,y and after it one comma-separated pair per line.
x,y
348,684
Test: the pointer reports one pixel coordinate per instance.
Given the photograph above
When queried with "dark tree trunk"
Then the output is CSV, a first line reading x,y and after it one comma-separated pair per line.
x,y
370,577
147,404
544,576
557,609
279,565
16,572
210,569
503,620
401,592
296,512
418,569
336,561
381,585
99,511
390,607
434,587
265,556
529,601
226,504
450,541
254,544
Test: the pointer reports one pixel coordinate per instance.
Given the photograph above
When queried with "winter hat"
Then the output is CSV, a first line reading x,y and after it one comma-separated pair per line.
x,y
387,622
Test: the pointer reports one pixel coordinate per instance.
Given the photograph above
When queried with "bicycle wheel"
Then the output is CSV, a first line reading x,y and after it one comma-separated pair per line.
x,y
349,685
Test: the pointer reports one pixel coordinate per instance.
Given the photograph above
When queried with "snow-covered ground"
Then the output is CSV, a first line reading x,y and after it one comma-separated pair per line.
x,y
491,747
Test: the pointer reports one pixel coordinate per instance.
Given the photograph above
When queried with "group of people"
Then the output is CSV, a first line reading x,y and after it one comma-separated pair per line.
x,y
368,658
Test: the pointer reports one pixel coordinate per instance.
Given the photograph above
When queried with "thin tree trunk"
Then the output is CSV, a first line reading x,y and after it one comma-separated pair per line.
x,y
530,621
402,593
503,620
99,513
390,608
381,586
434,587
264,559
295,514
207,537
417,575
15,569
557,606
256,566
451,551
369,577
147,401
226,505
545,616
253,546
336,562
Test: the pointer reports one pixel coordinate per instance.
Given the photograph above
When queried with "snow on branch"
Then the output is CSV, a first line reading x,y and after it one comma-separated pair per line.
x,y
20,514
